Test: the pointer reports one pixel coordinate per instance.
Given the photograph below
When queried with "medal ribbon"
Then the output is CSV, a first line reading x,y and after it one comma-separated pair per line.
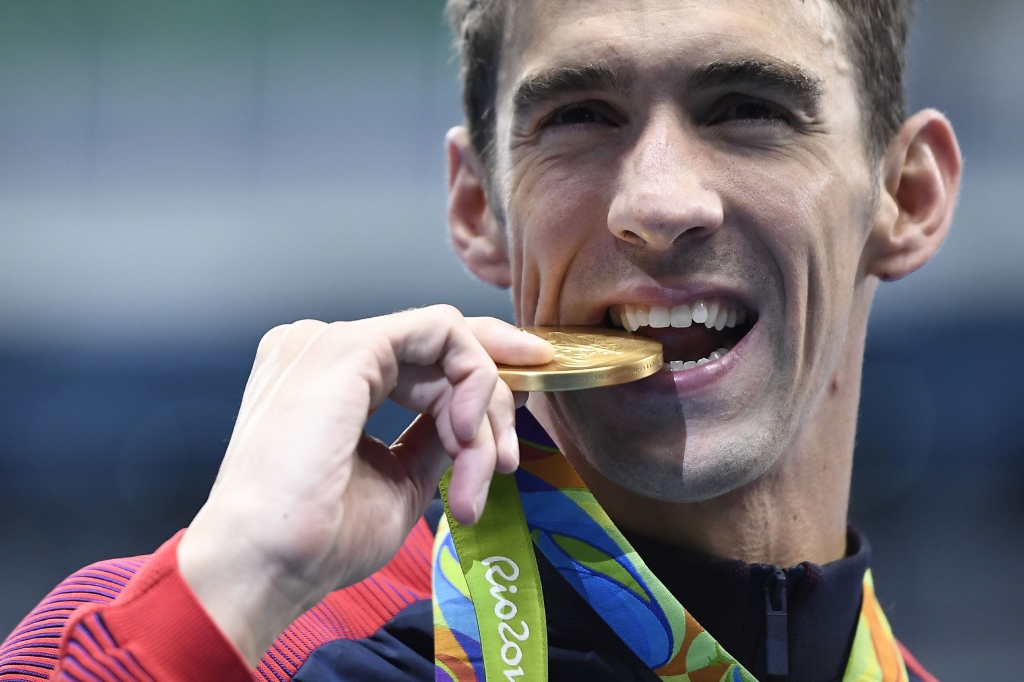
x,y
489,621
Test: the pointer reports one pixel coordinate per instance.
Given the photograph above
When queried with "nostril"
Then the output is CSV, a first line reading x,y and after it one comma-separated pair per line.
x,y
631,237
695,231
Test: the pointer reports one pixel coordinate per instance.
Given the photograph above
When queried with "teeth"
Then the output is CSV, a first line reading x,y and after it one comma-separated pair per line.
x,y
614,315
723,317
631,318
680,366
700,313
713,314
659,317
682,317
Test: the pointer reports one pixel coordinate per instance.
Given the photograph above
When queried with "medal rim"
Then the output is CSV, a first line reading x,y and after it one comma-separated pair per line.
x,y
553,378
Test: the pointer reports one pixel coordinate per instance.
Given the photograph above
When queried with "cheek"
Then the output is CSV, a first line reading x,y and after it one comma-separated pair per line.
x,y
832,237
810,226
556,218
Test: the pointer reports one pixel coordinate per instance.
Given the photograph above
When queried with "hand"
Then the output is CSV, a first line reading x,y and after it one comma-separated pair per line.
x,y
305,502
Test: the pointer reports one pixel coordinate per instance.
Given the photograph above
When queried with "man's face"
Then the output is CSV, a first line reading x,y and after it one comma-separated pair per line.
x,y
661,160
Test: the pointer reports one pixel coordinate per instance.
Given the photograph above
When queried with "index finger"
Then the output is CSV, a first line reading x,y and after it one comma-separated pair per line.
x,y
439,335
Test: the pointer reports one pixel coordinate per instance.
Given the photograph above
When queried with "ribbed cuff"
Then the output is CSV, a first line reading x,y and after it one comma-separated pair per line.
x,y
160,622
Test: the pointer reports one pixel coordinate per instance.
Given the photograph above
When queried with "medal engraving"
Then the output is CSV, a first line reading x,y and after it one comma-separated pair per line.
x,y
586,350
586,357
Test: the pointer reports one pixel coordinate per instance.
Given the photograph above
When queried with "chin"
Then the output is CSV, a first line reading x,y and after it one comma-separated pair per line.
x,y
677,464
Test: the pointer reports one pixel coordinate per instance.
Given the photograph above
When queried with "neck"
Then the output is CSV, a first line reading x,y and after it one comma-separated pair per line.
x,y
795,512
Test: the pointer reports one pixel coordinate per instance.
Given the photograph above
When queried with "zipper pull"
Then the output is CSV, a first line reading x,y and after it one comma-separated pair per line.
x,y
776,635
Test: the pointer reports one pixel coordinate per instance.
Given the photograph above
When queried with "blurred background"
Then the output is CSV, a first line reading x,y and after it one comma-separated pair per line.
x,y
176,178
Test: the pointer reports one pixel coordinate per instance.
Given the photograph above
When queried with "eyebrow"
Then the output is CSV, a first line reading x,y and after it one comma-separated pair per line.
x,y
559,81
763,74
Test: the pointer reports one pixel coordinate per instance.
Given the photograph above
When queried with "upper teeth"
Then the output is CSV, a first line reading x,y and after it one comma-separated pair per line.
x,y
712,313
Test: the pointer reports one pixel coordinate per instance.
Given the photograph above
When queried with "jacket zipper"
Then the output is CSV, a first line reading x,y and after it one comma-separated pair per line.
x,y
776,626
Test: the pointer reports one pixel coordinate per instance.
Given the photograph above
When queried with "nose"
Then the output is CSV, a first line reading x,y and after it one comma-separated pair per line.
x,y
660,195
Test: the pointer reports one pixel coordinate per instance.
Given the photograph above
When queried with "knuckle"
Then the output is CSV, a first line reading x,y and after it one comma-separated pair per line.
x,y
272,337
448,313
308,324
327,333
503,394
484,367
338,328
275,330
488,373
373,350
364,349
305,333
300,332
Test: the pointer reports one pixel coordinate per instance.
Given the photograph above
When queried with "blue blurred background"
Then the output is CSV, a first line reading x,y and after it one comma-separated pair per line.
x,y
176,178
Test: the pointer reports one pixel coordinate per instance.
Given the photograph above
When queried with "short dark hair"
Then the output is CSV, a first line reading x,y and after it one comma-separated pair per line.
x,y
876,38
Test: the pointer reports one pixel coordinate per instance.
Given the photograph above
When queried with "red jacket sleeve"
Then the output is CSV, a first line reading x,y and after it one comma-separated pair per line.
x,y
137,620
156,629
134,620
31,651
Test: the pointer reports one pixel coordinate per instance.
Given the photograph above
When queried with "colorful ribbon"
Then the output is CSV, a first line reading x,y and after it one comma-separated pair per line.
x,y
487,590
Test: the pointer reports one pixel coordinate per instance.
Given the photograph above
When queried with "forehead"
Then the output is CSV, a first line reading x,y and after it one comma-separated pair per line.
x,y
668,37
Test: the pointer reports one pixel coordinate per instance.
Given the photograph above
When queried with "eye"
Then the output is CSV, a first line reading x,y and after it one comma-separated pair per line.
x,y
755,110
581,115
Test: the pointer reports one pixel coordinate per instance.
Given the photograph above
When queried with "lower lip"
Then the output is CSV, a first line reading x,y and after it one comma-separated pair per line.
x,y
690,381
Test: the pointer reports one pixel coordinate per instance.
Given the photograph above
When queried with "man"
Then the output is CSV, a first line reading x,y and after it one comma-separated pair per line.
x,y
731,177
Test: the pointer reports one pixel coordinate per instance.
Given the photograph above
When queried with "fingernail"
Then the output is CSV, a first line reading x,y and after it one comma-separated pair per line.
x,y
512,444
481,501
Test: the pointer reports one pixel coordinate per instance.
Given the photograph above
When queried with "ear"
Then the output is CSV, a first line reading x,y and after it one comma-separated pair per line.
x,y
475,232
921,179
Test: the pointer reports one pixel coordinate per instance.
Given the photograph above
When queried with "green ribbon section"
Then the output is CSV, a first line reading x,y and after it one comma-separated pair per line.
x,y
498,561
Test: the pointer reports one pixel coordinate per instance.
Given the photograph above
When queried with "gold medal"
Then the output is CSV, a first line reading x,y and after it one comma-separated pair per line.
x,y
586,357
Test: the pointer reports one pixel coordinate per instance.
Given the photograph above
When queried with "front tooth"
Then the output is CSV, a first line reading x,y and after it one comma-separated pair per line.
x,y
643,316
700,312
676,365
712,315
730,322
681,316
631,318
659,317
